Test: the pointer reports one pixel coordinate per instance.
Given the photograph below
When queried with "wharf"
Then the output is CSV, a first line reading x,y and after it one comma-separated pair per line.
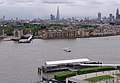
x,y
65,65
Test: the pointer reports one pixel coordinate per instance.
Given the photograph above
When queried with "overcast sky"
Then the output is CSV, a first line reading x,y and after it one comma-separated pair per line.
x,y
29,9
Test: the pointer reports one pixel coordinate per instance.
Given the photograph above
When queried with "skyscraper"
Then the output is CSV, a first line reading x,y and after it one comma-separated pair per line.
x,y
99,16
52,17
117,14
111,18
58,14
4,17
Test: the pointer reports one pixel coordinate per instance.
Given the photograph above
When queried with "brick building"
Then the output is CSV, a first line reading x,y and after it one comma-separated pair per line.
x,y
58,33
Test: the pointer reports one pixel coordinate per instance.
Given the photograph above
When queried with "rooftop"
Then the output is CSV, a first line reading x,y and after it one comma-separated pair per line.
x,y
67,61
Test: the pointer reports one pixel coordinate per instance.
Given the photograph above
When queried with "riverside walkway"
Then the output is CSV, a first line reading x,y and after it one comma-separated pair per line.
x,y
80,78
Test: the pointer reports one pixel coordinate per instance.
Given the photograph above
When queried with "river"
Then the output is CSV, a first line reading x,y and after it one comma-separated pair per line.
x,y
19,61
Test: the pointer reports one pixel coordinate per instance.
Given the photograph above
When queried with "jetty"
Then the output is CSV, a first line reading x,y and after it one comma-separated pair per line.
x,y
15,39
26,40
63,65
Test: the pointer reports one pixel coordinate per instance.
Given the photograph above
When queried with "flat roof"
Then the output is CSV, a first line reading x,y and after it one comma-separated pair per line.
x,y
100,64
66,61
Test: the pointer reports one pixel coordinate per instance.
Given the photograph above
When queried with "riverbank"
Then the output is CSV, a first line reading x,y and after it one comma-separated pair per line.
x,y
81,78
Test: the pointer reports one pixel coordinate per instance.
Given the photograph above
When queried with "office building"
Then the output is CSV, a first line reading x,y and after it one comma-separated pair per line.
x,y
52,17
117,14
99,16
111,18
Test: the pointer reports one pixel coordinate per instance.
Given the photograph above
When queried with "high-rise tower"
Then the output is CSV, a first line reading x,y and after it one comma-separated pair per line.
x,y
99,16
52,17
117,14
58,14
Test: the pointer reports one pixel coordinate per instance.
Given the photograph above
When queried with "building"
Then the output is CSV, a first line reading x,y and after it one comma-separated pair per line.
x,y
105,20
111,18
52,17
18,33
58,14
99,16
117,14
58,33
1,33
83,32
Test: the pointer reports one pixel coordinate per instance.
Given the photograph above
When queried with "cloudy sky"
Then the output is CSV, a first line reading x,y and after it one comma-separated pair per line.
x,y
29,9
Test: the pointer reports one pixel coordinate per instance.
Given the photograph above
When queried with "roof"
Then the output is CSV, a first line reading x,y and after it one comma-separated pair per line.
x,y
100,64
66,61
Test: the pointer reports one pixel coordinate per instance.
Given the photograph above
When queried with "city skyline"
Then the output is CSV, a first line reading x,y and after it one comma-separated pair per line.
x,y
29,9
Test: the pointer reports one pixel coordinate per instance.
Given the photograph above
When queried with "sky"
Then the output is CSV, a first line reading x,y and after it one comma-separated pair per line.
x,y
30,9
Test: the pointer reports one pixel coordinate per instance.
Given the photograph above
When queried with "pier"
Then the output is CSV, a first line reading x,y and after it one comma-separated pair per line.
x,y
63,65
26,40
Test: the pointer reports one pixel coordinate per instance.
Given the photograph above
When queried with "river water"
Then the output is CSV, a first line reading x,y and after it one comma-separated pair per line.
x,y
19,61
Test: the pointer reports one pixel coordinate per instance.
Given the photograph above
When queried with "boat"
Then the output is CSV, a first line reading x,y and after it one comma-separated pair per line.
x,y
67,49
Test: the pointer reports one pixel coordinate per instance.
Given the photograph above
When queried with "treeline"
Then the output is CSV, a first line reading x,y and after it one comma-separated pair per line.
x,y
34,28
86,26
26,27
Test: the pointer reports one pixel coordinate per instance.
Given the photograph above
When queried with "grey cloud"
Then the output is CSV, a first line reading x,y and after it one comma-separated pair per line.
x,y
58,1
16,2
95,2
2,2
23,1
87,3
114,2
92,2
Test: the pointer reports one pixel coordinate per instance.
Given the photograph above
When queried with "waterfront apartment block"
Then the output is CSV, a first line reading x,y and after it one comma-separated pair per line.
x,y
18,33
2,33
58,33
84,32
105,31
78,33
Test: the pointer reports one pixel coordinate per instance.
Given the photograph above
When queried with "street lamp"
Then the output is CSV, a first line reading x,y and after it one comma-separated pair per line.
x,y
85,74
41,76
96,72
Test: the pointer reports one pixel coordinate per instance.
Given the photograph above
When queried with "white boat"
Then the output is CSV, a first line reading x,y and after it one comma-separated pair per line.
x,y
67,49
